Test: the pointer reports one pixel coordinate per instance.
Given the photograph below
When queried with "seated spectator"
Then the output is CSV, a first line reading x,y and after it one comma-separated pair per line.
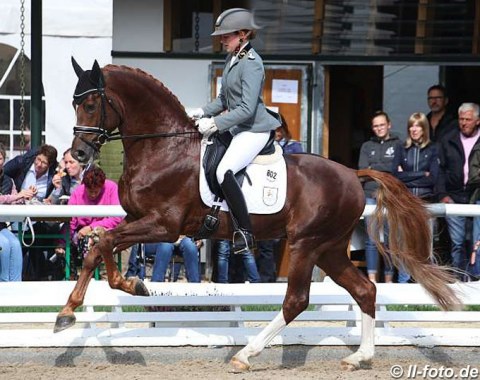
x,y
284,139
163,253
34,171
11,258
94,190
67,178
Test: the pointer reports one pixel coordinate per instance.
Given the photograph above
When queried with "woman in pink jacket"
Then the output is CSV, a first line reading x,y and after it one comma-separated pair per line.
x,y
94,190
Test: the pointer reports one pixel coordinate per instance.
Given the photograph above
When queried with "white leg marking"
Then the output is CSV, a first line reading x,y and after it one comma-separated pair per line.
x,y
240,360
363,357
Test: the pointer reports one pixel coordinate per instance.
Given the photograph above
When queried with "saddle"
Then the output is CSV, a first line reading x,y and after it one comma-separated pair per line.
x,y
218,145
215,150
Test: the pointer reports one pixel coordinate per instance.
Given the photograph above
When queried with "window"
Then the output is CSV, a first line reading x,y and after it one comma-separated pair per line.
x,y
13,136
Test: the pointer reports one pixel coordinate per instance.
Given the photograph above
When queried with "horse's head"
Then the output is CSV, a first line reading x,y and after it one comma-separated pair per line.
x,y
97,116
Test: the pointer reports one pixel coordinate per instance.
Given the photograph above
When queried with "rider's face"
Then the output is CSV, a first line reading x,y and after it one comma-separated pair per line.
x,y
230,41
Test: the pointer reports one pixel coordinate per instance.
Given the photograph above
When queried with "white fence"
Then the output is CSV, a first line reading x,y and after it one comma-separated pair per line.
x,y
233,324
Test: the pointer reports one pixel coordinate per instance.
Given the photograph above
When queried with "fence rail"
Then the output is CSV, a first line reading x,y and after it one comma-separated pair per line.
x,y
113,318
226,314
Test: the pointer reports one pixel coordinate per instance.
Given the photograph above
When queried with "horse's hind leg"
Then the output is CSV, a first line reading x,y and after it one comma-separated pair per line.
x,y
296,300
338,266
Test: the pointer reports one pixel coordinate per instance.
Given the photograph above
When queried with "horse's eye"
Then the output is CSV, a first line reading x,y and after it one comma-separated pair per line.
x,y
90,107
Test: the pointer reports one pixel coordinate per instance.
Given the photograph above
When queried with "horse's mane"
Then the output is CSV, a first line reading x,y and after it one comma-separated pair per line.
x,y
145,76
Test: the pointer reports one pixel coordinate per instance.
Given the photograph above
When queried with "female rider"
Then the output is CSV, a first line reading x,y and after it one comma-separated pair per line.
x,y
240,111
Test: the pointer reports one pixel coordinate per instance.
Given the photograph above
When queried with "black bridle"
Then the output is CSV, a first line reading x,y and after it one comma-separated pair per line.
x,y
103,135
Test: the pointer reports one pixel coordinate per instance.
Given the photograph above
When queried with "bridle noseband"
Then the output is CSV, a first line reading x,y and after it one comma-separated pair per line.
x,y
103,135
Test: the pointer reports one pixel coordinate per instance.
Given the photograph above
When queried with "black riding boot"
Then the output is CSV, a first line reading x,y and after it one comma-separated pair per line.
x,y
243,239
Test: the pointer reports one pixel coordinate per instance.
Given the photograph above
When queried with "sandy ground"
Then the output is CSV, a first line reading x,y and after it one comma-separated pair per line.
x,y
288,362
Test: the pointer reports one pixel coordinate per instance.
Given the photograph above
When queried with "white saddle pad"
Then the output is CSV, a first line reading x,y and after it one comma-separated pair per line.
x,y
266,194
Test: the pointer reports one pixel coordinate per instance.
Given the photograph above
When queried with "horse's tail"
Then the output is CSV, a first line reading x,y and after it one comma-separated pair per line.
x,y
410,237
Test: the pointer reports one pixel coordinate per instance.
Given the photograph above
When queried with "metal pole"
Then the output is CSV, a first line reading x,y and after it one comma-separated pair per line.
x,y
36,73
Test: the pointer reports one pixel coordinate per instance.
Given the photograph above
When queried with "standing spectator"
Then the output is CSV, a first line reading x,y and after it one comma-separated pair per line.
x,y
416,165
94,190
455,153
224,250
377,154
11,258
441,121
66,179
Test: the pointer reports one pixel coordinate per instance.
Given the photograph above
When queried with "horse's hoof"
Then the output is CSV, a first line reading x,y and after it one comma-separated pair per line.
x,y
238,366
349,365
64,322
140,288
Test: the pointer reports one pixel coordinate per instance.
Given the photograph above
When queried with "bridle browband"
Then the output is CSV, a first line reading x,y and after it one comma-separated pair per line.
x,y
103,135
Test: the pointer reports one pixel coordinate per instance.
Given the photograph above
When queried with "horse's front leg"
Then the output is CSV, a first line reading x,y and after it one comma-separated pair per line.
x,y
133,286
66,317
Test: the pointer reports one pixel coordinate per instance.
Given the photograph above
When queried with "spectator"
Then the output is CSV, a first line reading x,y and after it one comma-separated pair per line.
x,y
416,165
377,154
34,170
185,247
67,178
441,121
284,139
266,261
94,190
11,258
224,249
455,153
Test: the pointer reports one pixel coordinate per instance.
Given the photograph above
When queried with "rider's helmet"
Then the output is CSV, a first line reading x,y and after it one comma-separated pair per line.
x,y
233,20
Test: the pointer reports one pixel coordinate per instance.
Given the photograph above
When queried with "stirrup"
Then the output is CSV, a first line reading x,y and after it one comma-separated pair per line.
x,y
243,241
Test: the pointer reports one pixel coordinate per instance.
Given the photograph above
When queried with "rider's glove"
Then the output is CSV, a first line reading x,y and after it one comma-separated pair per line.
x,y
206,126
195,114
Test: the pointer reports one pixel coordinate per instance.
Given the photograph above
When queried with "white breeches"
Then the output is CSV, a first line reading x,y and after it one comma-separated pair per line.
x,y
242,150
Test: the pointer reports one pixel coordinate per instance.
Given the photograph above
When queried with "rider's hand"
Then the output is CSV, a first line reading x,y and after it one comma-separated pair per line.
x,y
206,126
195,114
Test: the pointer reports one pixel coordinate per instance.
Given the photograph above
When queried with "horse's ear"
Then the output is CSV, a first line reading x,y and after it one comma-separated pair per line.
x,y
78,70
96,76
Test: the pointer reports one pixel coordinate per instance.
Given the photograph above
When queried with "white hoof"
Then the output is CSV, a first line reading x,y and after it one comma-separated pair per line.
x,y
356,361
239,365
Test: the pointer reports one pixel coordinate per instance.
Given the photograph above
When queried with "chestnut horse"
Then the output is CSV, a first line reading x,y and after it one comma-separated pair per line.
x,y
159,190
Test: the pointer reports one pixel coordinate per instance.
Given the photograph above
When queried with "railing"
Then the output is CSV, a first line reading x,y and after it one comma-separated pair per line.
x,y
127,320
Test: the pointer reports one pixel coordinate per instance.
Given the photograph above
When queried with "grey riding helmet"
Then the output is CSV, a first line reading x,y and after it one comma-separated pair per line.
x,y
233,20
